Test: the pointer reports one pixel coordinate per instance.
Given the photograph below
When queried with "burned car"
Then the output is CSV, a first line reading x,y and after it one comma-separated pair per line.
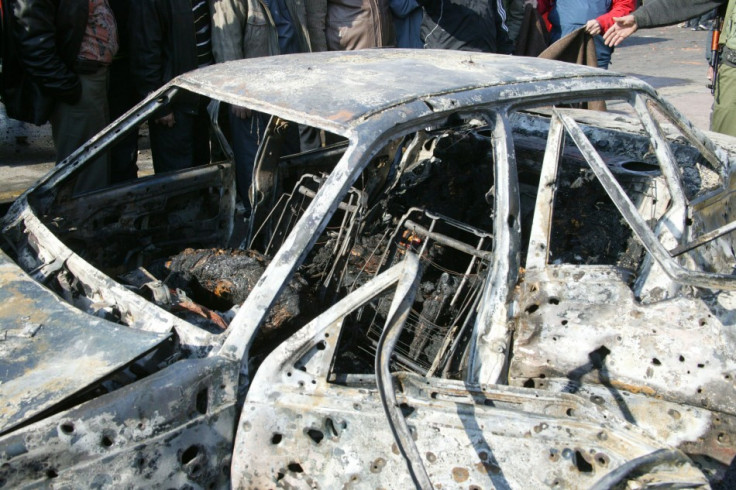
x,y
475,281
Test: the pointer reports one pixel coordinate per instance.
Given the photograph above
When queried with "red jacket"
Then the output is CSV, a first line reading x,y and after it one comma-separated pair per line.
x,y
619,8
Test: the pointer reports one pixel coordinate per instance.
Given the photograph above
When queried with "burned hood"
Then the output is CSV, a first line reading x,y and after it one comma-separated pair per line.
x,y
50,351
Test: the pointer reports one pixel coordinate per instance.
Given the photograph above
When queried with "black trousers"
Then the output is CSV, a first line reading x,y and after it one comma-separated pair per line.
x,y
184,145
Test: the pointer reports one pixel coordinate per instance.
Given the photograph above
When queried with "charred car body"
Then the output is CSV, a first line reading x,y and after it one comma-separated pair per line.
x,y
474,282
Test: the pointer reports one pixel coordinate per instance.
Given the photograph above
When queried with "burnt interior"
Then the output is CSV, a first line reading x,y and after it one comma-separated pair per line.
x,y
586,227
179,241
427,192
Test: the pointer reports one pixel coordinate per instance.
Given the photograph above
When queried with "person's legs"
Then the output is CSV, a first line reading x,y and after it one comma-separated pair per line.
x,y
123,158
201,138
73,125
309,138
247,134
723,119
184,145
121,97
603,52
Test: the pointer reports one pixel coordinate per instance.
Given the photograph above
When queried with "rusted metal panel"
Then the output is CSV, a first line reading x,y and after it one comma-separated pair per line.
x,y
371,81
705,435
570,312
583,324
482,439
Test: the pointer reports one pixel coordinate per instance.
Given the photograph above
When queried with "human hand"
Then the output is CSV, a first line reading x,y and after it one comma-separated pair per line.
x,y
167,120
240,112
623,28
710,73
592,27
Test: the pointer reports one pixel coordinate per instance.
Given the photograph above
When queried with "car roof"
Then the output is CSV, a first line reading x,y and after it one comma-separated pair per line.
x,y
341,88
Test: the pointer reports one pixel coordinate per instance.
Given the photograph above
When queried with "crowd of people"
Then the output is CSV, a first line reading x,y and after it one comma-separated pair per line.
x,y
78,63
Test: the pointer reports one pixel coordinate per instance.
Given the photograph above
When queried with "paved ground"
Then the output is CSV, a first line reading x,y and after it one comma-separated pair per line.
x,y
26,153
671,59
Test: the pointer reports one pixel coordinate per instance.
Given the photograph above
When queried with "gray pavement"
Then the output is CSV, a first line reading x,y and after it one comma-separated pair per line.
x,y
26,153
671,59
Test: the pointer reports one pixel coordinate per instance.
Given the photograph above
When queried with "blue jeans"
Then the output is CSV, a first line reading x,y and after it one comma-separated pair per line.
x,y
247,134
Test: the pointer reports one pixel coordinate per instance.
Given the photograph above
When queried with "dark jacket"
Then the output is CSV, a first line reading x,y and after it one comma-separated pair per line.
x,y
359,24
533,36
246,28
41,44
514,17
468,25
664,12
407,16
162,42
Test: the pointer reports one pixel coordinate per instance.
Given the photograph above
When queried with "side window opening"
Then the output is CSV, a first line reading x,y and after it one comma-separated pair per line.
x,y
708,241
672,200
585,227
437,204
172,239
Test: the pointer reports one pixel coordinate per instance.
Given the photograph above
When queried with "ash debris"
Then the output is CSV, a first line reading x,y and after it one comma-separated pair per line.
x,y
588,229
220,277
206,286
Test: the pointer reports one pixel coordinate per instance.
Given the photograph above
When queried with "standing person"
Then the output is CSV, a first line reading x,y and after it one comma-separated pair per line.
x,y
666,12
466,25
63,52
359,24
121,96
168,38
254,28
2,43
14,126
596,16
514,17
407,16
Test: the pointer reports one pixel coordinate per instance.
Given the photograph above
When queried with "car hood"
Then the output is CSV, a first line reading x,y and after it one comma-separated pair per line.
x,y
50,351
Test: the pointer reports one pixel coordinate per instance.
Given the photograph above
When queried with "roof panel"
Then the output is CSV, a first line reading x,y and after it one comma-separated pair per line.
x,y
343,86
